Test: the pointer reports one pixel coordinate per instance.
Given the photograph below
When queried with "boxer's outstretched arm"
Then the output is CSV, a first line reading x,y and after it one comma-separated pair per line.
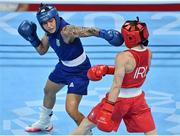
x,y
70,32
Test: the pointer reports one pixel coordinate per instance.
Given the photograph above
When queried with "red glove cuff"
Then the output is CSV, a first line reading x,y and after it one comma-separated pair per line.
x,y
108,106
111,69
110,102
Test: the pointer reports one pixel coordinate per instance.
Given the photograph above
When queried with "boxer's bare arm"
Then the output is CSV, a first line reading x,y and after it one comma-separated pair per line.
x,y
44,45
70,32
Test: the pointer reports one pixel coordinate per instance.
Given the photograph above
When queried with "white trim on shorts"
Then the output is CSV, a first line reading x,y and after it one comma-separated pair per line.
x,y
129,92
75,62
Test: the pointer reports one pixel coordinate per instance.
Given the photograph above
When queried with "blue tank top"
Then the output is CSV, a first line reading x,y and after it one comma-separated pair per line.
x,y
65,52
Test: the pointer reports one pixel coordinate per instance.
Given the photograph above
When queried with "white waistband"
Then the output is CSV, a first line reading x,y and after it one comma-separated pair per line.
x,y
75,62
129,92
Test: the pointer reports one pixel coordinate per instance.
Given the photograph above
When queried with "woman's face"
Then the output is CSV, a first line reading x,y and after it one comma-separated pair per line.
x,y
50,25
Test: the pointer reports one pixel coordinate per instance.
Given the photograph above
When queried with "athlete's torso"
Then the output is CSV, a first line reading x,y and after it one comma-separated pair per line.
x,y
65,52
137,77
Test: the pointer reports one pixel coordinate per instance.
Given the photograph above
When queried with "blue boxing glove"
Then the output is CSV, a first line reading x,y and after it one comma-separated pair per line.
x,y
28,31
112,36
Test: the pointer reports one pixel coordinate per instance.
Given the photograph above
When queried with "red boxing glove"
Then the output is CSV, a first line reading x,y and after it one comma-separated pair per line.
x,y
96,72
104,117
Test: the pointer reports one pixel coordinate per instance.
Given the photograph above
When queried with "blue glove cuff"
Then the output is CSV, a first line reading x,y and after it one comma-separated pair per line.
x,y
102,33
35,43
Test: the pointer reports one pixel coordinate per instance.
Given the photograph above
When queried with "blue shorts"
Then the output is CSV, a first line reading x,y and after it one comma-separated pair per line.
x,y
75,77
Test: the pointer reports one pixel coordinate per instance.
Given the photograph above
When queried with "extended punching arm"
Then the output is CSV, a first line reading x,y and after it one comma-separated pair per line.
x,y
112,36
70,32
27,30
96,72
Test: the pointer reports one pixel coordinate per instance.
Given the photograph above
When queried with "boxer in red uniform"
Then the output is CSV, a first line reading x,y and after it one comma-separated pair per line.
x,y
125,99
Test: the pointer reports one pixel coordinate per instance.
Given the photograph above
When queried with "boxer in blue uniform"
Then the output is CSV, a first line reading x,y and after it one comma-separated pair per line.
x,y
71,70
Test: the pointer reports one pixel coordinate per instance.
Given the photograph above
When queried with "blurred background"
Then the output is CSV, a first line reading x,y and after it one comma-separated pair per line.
x,y
23,72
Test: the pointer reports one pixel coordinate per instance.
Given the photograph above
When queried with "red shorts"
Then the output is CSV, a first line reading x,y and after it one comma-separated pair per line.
x,y
134,111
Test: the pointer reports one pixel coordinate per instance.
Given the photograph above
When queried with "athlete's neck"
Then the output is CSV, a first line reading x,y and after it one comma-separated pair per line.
x,y
139,47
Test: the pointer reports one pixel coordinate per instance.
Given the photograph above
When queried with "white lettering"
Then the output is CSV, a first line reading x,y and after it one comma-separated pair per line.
x,y
140,72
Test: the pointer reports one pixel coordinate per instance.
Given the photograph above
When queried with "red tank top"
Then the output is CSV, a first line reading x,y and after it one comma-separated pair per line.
x,y
137,77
